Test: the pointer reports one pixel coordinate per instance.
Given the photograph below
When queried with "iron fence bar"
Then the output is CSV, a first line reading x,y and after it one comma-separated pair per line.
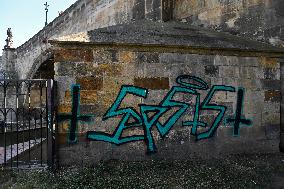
x,y
55,149
29,117
5,124
24,127
46,115
41,134
17,120
50,109
11,139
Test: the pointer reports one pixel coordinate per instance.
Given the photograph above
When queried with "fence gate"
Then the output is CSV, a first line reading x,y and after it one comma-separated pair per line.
x,y
27,130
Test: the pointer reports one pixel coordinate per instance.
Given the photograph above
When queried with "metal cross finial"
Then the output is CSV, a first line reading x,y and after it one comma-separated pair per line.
x,y
46,11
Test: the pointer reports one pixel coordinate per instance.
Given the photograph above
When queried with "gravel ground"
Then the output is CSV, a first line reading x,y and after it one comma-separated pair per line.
x,y
235,171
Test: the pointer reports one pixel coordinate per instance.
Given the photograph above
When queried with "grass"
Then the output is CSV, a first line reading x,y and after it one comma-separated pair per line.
x,y
237,171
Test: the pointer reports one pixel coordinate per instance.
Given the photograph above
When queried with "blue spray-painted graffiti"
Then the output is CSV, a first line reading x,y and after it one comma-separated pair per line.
x,y
127,113
143,119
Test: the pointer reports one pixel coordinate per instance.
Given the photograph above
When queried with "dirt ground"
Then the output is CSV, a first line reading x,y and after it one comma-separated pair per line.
x,y
234,171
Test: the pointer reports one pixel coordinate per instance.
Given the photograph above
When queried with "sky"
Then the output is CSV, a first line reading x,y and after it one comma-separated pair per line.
x,y
26,18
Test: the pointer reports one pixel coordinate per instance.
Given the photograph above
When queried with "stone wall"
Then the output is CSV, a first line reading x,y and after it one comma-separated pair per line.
x,y
101,71
84,15
258,19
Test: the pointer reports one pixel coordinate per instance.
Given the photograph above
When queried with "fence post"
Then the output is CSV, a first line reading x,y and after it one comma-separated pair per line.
x,y
50,133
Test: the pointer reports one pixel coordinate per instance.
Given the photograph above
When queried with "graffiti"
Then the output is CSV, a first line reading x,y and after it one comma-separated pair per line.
x,y
239,119
127,113
148,122
75,116
130,118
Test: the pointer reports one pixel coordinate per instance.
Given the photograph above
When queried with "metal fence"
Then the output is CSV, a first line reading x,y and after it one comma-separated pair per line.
x,y
27,130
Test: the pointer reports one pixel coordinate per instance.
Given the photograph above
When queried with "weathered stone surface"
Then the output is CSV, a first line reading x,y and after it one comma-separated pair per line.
x,y
65,68
85,15
271,73
152,83
258,19
126,56
175,34
104,56
212,70
112,69
64,108
269,62
73,55
272,131
147,57
273,96
86,96
90,83
271,84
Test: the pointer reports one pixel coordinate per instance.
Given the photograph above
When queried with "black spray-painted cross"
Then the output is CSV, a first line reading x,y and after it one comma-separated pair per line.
x,y
238,118
75,116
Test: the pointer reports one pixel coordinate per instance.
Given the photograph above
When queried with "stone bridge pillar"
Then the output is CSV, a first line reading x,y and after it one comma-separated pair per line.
x,y
281,145
9,60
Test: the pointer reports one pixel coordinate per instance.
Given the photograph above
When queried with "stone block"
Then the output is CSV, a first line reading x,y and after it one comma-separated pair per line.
x,y
230,107
73,55
173,58
114,84
229,71
104,56
253,101
155,97
152,83
83,69
139,10
251,84
86,96
64,68
212,70
106,99
108,69
272,96
90,83
153,10
272,131
157,70
269,62
269,84
176,69
271,119
167,10
271,73
219,96
196,59
147,57
97,109
251,72
126,56
64,108
272,107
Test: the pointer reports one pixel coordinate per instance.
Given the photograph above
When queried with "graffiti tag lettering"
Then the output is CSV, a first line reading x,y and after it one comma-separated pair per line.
x,y
189,85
